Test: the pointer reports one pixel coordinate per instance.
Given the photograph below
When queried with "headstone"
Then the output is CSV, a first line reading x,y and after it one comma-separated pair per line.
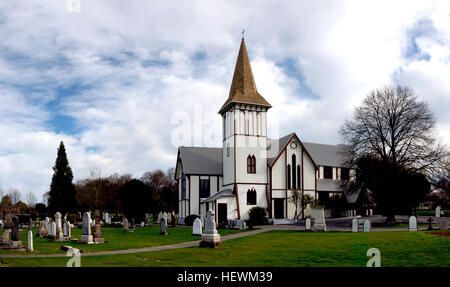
x,y
125,223
30,241
210,237
67,231
15,234
412,223
355,225
86,237
142,224
308,224
370,212
197,227
4,241
443,224
47,224
319,220
174,219
108,218
164,216
53,229
162,226
243,225
97,232
366,227
159,217
438,211
169,217
59,230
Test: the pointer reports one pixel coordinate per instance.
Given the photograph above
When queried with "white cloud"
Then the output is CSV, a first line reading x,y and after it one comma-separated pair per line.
x,y
122,70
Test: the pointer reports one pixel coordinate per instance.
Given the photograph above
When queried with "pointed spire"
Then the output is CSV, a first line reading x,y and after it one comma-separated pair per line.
x,y
243,88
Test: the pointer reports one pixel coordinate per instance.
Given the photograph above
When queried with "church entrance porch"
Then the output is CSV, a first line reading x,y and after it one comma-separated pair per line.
x,y
278,204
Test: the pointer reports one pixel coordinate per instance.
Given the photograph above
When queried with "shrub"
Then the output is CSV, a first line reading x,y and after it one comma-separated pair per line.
x,y
189,220
257,216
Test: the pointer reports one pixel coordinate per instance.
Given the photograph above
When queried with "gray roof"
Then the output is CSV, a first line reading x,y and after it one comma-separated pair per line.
x,y
276,146
201,160
329,185
327,155
223,193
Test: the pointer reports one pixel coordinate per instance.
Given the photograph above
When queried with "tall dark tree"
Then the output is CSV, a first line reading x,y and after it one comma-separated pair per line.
x,y
62,190
393,127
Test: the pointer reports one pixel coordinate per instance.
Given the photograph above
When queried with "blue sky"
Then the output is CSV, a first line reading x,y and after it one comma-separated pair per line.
x,y
119,80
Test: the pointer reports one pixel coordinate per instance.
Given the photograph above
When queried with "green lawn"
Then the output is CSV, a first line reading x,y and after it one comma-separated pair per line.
x,y
115,239
285,248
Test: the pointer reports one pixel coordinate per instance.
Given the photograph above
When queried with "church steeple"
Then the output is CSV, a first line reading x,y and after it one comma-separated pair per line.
x,y
243,88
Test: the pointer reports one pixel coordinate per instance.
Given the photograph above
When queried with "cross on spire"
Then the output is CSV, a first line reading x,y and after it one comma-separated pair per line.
x,y
243,31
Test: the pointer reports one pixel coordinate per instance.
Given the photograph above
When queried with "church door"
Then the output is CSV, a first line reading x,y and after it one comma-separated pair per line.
x,y
279,208
222,213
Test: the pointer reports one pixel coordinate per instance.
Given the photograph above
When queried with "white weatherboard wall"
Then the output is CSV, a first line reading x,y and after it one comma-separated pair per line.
x,y
194,194
279,173
261,198
309,171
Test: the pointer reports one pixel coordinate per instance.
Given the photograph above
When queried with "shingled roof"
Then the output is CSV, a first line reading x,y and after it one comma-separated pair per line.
x,y
201,160
243,88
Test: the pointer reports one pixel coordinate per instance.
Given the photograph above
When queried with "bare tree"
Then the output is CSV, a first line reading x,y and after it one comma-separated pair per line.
x,y
394,127
15,195
30,199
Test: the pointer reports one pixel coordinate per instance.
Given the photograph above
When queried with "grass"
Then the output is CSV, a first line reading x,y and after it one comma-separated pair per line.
x,y
401,225
284,248
115,239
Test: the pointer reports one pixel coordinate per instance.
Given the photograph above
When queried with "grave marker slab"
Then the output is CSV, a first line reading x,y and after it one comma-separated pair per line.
x,y
319,220
308,224
412,223
197,227
355,225
210,237
366,227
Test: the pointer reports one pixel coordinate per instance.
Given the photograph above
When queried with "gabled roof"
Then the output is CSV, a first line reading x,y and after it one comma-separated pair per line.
x,y
327,155
329,185
223,193
243,87
201,160
276,147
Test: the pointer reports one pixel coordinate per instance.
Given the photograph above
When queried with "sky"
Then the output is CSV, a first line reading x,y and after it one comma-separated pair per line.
x,y
124,83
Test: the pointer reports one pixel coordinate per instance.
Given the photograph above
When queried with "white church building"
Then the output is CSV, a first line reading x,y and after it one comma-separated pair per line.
x,y
251,169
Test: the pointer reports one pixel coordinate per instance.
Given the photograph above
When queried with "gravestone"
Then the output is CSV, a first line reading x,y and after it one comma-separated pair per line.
x,y
30,241
366,226
438,211
125,223
412,226
162,227
169,217
159,217
308,224
164,216
430,220
197,227
86,237
243,225
47,225
319,220
43,232
443,224
4,241
53,229
67,230
97,232
59,231
107,218
210,237
174,219
355,225
131,226
15,234
142,224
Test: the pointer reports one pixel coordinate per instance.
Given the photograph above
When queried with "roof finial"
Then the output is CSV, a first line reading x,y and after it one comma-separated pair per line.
x,y
243,31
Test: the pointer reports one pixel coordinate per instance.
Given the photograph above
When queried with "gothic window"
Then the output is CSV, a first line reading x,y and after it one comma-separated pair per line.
x,y
294,182
289,176
251,164
204,188
183,186
298,176
251,197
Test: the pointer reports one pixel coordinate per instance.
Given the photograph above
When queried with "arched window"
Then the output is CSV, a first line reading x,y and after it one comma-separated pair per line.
x,y
289,176
251,197
294,182
299,177
251,164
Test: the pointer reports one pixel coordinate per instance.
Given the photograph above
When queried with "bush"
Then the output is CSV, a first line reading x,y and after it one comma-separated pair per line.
x,y
257,216
189,220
